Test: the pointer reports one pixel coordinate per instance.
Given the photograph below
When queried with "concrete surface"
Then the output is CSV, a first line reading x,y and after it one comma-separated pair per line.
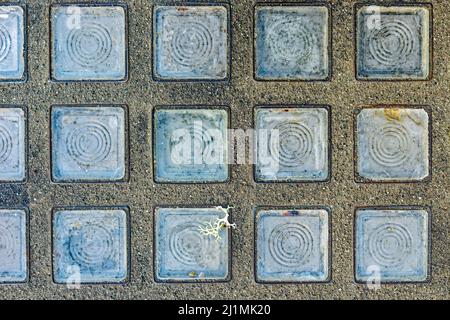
x,y
342,194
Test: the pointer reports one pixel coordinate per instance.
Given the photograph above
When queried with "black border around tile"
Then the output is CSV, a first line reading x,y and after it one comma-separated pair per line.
x,y
193,281
127,150
256,216
359,5
26,144
187,107
121,4
358,178
124,208
329,141
320,3
27,246
26,25
429,241
221,3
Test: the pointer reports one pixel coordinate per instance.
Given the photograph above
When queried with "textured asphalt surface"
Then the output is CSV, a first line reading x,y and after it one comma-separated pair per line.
x,y
141,94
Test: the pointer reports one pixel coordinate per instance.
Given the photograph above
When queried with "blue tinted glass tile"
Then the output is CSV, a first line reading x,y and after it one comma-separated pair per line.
x,y
292,144
13,246
292,246
12,145
292,43
88,143
393,42
391,245
393,144
12,43
191,145
191,43
182,253
90,246
89,43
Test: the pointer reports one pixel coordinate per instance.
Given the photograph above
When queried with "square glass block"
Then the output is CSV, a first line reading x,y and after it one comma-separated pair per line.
x,y
182,253
292,144
292,246
393,144
90,246
391,245
12,43
292,43
13,246
191,43
12,145
89,43
191,145
88,143
393,43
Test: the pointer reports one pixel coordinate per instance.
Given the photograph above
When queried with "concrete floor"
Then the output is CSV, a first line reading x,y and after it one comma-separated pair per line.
x,y
342,194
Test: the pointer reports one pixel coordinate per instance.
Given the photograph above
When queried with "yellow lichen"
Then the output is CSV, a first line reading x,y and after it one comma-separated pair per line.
x,y
392,113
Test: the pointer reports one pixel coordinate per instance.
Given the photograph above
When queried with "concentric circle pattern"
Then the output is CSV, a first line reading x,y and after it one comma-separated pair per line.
x,y
392,43
291,244
89,143
89,45
91,245
291,40
389,244
187,245
5,43
292,145
6,144
390,145
8,243
192,44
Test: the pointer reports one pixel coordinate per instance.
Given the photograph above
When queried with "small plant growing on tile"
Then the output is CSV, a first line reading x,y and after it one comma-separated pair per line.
x,y
214,227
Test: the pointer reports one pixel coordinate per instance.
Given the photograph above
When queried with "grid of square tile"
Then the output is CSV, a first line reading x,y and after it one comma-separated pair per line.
x,y
194,44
